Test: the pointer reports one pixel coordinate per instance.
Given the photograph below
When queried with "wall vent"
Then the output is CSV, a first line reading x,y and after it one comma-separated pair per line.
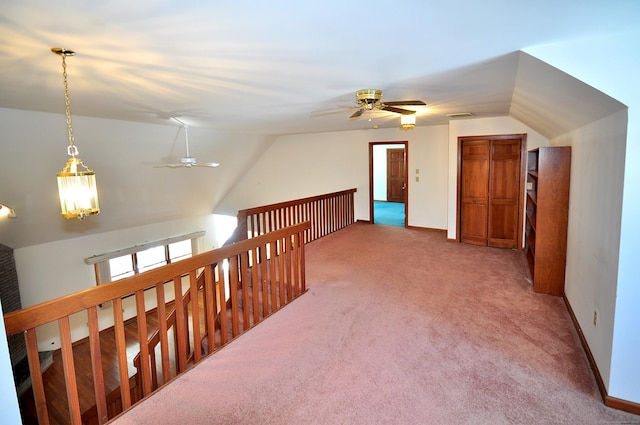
x,y
460,115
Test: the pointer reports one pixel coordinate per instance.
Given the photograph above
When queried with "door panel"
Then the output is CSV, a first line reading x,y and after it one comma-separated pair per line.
x,y
504,191
475,192
396,175
502,232
474,228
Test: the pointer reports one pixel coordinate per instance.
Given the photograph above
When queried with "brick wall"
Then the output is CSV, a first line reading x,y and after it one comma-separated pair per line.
x,y
10,297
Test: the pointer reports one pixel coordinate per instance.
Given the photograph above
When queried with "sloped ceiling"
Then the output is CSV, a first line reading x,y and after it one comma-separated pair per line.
x,y
553,102
240,73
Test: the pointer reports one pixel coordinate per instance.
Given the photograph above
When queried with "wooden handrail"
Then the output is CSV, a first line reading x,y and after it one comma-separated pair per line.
x,y
327,213
271,265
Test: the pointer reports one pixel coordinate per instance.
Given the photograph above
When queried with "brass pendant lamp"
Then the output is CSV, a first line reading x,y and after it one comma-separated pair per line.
x,y
76,182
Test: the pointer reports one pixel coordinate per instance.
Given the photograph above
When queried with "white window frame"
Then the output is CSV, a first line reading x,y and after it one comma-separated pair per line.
x,y
101,261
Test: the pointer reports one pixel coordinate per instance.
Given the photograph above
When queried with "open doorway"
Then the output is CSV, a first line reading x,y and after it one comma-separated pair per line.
x,y
388,190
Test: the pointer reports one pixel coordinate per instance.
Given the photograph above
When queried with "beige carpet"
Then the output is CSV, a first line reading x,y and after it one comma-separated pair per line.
x,y
399,326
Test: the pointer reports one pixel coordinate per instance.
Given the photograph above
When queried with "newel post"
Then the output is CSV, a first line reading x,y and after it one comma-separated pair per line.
x,y
240,233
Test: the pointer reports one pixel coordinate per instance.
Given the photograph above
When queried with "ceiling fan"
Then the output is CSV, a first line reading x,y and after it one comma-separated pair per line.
x,y
187,160
369,99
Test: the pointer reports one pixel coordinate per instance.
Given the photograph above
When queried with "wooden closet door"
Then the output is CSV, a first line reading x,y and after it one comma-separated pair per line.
x,y
474,206
504,190
396,175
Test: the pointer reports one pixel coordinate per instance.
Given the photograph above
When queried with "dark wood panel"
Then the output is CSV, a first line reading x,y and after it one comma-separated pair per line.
x,y
474,226
475,192
504,202
396,175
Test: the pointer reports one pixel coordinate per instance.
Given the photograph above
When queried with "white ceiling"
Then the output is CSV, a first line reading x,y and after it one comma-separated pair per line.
x,y
283,67
278,66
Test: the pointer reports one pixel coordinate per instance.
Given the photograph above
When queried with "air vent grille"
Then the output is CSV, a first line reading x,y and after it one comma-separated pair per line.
x,y
460,115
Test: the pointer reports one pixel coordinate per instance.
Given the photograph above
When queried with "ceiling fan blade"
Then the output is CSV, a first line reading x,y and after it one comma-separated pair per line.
x,y
206,164
386,107
168,166
188,165
357,113
406,102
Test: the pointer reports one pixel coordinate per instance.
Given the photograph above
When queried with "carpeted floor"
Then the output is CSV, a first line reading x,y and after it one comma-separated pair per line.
x,y
399,326
389,213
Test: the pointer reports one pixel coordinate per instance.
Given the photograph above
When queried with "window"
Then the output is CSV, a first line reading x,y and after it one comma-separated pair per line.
x,y
179,251
130,261
121,267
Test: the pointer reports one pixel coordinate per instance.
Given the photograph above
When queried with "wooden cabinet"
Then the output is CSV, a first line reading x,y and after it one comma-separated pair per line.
x,y
547,211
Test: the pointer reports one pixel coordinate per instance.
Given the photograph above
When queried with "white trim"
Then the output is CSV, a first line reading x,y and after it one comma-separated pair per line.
x,y
137,248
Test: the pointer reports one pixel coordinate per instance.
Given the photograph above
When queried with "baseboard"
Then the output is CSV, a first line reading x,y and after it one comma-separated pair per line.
x,y
429,229
614,403
587,350
627,406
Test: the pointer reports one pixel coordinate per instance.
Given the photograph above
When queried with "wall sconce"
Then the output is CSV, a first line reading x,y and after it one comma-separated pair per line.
x,y
5,211
407,122
76,182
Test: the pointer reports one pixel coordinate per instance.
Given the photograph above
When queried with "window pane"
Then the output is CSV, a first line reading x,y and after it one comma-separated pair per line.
x,y
180,250
121,267
151,258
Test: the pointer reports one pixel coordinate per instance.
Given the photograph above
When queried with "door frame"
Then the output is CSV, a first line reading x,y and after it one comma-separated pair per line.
x,y
521,194
406,177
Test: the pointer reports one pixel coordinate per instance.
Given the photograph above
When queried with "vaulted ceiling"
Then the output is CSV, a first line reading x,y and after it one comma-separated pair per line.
x,y
279,67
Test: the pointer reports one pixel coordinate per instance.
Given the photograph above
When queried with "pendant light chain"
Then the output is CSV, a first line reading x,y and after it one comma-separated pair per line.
x,y
72,150
76,182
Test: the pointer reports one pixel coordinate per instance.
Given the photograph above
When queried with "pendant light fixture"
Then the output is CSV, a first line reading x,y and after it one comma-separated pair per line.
x,y
76,182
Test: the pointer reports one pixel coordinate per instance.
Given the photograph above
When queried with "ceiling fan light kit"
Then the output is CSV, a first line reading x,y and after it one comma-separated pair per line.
x,y
6,211
407,122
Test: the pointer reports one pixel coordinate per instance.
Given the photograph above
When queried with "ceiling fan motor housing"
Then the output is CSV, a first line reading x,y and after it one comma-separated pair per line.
x,y
188,161
369,98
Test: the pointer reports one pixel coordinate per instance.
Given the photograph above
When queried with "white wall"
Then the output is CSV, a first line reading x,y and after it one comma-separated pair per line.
x,y
480,127
299,166
61,269
597,172
8,397
428,197
590,60
302,165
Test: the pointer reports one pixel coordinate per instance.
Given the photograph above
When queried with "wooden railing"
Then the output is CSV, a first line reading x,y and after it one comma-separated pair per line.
x,y
243,283
114,398
326,213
